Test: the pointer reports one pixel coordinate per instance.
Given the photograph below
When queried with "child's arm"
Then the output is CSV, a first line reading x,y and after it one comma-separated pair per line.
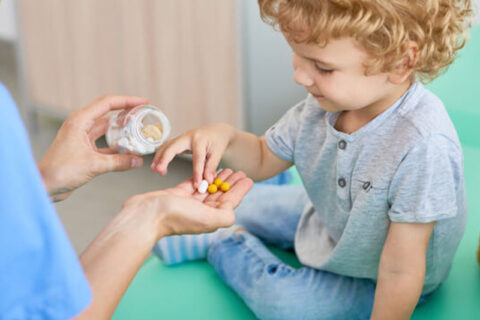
x,y
240,150
402,270
252,155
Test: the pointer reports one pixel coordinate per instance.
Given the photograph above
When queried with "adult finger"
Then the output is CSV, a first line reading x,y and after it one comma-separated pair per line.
x,y
118,162
223,219
103,105
99,128
106,151
190,216
232,198
187,185
231,178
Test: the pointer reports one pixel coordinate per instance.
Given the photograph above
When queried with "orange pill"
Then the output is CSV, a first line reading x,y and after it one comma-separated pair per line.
x,y
218,182
212,189
225,186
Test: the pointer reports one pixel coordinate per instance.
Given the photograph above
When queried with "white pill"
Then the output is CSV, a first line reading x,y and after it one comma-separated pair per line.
x,y
202,188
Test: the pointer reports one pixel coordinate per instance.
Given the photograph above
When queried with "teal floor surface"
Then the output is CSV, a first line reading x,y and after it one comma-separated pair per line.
x,y
194,291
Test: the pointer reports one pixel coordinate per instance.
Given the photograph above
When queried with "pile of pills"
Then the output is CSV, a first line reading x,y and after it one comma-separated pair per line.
x,y
152,133
213,188
132,145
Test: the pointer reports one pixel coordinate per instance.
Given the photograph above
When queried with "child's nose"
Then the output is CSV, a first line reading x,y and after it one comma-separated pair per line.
x,y
302,78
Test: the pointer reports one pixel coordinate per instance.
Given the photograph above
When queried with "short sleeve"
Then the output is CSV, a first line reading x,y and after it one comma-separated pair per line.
x,y
427,181
40,274
281,137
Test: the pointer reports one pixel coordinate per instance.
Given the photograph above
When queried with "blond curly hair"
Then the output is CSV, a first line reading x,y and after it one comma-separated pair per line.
x,y
439,28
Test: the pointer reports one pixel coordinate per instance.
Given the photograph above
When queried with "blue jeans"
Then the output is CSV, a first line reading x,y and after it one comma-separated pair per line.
x,y
272,289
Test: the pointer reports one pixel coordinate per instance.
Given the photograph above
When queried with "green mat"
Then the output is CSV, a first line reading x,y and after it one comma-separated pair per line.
x,y
194,291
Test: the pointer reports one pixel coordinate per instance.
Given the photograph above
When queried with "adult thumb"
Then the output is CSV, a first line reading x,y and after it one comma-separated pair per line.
x,y
121,162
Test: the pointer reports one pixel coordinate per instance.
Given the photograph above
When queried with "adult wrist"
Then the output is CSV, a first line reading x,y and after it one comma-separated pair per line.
x,y
49,178
149,222
161,226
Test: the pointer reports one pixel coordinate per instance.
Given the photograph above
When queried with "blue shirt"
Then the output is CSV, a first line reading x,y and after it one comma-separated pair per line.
x,y
40,275
405,165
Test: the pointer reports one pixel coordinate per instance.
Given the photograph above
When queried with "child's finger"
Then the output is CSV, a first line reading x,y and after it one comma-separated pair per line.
x,y
159,153
198,159
166,155
211,165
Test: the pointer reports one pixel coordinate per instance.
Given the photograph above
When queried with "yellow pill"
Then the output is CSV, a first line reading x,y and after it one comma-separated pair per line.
x,y
225,186
212,189
218,182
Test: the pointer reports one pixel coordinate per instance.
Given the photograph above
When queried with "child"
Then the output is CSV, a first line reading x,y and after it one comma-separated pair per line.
x,y
384,208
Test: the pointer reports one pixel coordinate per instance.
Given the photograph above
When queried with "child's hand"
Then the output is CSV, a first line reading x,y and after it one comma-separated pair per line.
x,y
207,145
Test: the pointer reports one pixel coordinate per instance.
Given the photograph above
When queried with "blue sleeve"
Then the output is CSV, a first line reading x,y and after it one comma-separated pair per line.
x,y
427,183
40,274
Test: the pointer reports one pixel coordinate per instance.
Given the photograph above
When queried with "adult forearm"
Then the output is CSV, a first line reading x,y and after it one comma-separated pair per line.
x,y
111,261
397,295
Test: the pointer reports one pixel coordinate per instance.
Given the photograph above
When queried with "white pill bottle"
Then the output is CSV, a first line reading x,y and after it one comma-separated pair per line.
x,y
140,130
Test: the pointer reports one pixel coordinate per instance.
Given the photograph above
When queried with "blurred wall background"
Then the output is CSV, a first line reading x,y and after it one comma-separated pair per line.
x,y
8,30
256,56
257,51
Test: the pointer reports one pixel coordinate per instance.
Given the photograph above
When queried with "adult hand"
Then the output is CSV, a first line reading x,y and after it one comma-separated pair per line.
x,y
111,261
73,158
182,209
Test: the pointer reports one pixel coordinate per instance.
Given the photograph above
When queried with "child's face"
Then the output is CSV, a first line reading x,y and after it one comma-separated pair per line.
x,y
335,76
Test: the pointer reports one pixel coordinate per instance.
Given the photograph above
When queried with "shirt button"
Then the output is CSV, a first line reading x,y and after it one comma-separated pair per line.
x,y
342,144
366,185
342,183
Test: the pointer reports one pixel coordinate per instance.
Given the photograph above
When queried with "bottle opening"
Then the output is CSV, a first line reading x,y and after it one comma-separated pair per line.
x,y
152,127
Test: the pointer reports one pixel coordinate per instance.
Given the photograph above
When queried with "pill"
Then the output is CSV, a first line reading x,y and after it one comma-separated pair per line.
x,y
202,188
212,189
218,182
153,132
225,186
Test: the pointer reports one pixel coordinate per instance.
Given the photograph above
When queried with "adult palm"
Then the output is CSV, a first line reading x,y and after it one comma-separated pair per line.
x,y
185,210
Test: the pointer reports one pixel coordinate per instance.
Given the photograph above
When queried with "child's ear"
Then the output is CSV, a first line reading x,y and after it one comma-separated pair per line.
x,y
404,69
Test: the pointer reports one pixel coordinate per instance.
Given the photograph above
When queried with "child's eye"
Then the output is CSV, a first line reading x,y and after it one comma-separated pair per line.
x,y
323,70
